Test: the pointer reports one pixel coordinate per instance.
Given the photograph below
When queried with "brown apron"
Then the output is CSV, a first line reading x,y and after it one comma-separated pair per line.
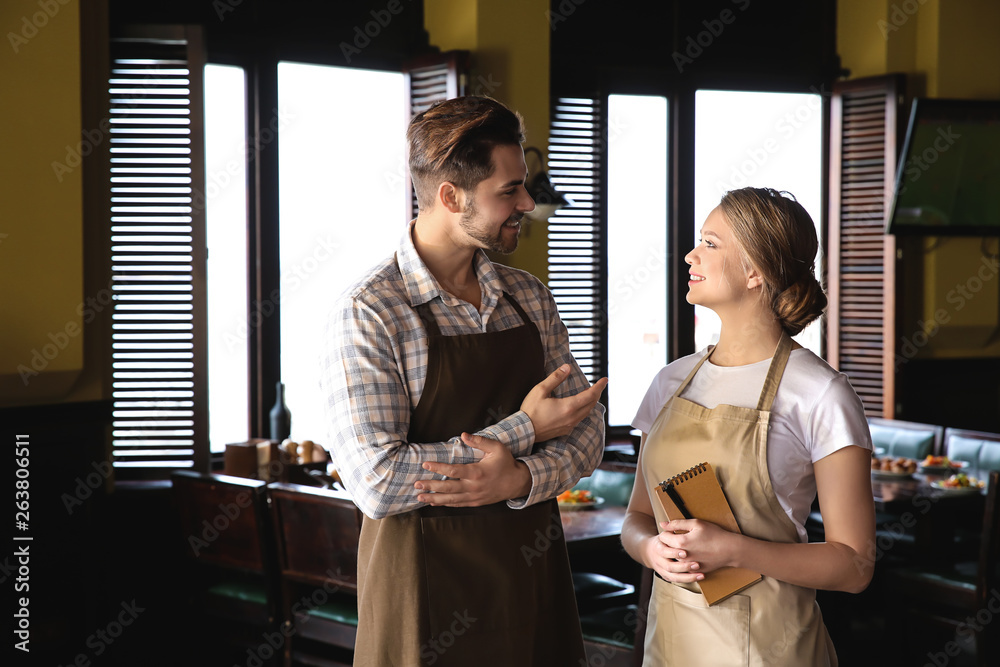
x,y
770,623
468,586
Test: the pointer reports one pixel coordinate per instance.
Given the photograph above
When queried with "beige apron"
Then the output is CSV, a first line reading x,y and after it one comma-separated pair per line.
x,y
469,586
770,623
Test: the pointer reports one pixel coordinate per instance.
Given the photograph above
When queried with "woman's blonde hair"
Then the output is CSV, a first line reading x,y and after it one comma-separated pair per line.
x,y
778,238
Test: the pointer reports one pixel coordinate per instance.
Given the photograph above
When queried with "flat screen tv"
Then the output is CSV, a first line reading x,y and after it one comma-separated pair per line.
x,y
948,181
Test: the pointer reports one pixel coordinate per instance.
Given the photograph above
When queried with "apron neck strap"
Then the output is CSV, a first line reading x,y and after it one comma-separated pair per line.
x,y
771,382
774,373
694,371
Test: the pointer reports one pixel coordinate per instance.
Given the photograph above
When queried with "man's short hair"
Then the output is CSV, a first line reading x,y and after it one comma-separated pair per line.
x,y
453,141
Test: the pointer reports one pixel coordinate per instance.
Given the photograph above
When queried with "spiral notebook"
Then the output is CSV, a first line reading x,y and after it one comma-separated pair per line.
x,y
696,494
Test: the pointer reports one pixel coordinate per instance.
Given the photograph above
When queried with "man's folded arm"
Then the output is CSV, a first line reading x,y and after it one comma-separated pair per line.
x,y
368,411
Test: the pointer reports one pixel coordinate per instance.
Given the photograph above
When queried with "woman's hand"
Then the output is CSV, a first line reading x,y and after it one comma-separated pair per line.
x,y
688,548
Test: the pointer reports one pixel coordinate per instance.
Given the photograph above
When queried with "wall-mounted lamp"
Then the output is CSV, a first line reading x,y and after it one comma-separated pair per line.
x,y
548,200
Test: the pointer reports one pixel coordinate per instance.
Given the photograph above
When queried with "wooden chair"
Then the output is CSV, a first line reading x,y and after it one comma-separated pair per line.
x,y
225,535
317,533
954,598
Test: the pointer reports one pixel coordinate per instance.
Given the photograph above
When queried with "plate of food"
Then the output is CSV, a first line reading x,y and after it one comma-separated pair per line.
x,y
941,464
960,483
893,467
578,499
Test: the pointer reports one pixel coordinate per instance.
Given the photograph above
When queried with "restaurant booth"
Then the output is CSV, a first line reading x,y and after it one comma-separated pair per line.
x,y
244,554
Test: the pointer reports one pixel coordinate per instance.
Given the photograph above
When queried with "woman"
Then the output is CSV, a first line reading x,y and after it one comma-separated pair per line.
x,y
778,425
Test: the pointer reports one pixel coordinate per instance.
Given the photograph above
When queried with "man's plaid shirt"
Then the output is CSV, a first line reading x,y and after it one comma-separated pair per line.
x,y
375,363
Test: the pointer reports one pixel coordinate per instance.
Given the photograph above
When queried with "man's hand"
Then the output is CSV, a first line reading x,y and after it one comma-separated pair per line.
x,y
554,417
495,478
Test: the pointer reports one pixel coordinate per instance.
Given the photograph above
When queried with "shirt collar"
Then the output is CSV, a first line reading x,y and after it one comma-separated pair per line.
x,y
422,286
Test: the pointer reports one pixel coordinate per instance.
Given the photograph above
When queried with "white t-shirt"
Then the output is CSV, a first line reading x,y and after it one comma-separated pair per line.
x,y
815,412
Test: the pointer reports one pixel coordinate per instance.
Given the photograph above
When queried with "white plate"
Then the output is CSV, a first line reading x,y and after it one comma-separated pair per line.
x,y
575,507
888,474
956,490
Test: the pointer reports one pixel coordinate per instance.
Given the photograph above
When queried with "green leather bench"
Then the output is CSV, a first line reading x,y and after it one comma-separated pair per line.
x,y
894,437
980,449
615,486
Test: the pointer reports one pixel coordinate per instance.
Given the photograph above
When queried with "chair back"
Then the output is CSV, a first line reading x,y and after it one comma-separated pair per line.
x,y
317,533
989,551
614,486
913,440
223,520
226,538
988,572
979,448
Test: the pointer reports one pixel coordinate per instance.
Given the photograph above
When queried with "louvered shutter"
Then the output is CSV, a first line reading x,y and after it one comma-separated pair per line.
x,y
575,244
157,233
428,80
861,279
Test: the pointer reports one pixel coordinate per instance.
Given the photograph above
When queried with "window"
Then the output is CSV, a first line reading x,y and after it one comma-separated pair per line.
x,y
342,197
575,252
637,249
762,140
157,253
741,138
227,278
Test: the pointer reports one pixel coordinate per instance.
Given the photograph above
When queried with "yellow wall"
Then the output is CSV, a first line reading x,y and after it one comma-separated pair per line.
x,y
509,43
948,48
41,228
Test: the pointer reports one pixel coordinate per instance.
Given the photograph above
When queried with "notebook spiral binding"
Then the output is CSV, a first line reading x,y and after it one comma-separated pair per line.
x,y
684,476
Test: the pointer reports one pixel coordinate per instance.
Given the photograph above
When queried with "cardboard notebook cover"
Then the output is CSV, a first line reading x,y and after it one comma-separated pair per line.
x,y
698,490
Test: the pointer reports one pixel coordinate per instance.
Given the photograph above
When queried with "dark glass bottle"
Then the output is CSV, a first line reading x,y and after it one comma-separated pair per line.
x,y
281,418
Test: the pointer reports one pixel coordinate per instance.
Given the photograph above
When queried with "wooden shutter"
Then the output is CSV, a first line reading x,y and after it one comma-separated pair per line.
x,y
430,79
576,233
157,234
861,278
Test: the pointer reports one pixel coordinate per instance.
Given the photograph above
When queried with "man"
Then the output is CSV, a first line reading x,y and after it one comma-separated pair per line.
x,y
458,414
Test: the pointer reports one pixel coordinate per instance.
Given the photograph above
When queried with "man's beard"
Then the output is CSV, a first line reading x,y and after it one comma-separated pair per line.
x,y
494,242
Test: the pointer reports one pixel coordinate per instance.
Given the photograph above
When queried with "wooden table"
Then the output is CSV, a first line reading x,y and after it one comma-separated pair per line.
x,y
592,529
931,515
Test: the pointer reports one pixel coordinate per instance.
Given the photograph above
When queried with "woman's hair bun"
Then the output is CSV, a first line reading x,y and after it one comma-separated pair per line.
x,y
799,304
